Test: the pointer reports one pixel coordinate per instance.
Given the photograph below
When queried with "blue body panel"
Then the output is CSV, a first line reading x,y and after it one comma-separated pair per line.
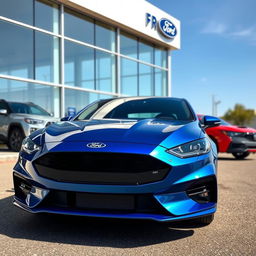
x,y
146,137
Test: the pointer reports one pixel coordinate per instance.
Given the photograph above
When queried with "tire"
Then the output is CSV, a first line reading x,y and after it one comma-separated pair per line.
x,y
15,139
241,156
206,220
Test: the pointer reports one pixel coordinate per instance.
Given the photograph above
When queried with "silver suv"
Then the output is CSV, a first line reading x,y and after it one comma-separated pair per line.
x,y
18,120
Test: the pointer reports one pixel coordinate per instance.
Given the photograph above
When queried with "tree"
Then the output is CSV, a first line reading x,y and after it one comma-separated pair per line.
x,y
239,115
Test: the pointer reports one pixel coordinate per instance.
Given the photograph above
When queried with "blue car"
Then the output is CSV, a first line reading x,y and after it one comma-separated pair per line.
x,y
134,158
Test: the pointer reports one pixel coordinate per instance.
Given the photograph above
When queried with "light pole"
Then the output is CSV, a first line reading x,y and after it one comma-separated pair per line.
x,y
215,104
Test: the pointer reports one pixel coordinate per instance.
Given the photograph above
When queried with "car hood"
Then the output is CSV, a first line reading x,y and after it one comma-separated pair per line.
x,y
148,131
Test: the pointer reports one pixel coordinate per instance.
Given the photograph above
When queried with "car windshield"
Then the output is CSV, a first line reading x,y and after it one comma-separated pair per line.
x,y
130,108
223,122
24,108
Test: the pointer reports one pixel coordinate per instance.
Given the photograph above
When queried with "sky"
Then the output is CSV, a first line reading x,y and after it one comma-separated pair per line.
x,y
217,55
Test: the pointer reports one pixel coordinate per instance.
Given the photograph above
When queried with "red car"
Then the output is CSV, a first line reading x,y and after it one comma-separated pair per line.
x,y
239,141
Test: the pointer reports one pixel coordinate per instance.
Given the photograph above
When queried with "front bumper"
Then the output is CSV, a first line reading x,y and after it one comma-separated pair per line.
x,y
241,145
169,198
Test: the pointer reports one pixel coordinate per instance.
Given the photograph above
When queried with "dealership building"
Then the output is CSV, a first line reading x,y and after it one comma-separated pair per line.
x,y
65,54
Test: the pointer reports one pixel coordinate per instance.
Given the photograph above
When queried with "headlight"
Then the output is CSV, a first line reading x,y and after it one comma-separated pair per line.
x,y
234,134
29,146
194,148
33,121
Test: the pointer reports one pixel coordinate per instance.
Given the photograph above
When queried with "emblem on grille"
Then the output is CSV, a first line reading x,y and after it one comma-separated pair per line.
x,y
96,145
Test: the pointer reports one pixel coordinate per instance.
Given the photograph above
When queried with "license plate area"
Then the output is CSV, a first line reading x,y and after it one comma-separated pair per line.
x,y
105,202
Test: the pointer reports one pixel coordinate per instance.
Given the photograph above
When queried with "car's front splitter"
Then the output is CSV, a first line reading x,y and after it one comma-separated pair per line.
x,y
147,216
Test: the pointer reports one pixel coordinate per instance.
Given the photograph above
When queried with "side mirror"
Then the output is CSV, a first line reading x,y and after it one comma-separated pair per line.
x,y
210,121
66,118
3,111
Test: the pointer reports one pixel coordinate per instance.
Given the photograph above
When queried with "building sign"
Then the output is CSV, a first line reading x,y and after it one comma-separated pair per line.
x,y
166,27
71,111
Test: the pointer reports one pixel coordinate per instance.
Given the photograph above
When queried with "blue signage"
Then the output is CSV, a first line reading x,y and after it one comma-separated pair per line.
x,y
71,111
167,28
151,19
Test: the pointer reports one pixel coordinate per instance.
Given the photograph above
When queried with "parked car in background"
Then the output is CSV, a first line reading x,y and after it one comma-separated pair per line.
x,y
239,141
134,158
18,120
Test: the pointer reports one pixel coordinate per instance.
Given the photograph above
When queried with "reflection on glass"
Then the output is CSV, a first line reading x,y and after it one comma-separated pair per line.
x,y
20,10
128,45
47,15
105,71
79,65
129,77
78,26
105,36
16,54
80,99
47,97
160,82
46,57
145,80
161,57
146,52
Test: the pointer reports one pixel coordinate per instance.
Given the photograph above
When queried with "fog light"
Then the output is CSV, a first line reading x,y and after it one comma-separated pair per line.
x,y
25,188
200,194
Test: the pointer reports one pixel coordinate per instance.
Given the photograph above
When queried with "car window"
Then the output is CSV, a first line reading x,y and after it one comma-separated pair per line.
x,y
223,122
126,108
91,109
23,108
171,109
3,105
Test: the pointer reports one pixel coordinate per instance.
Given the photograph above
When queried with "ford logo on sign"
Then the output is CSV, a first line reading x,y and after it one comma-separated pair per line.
x,y
96,145
167,28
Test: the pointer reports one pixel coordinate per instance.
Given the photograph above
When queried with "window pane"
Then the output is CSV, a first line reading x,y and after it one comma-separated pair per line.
x,y
44,96
146,52
46,57
47,15
128,45
105,36
145,80
80,99
105,71
78,26
160,57
79,65
16,51
129,77
20,10
160,82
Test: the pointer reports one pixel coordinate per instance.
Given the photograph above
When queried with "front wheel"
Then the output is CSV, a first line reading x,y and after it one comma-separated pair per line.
x,y
15,139
241,155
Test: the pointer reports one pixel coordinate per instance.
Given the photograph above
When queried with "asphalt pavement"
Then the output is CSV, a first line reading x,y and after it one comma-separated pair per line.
x,y
233,232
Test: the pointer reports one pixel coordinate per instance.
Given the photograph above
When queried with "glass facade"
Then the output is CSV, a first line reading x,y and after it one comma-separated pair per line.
x,y
95,60
47,97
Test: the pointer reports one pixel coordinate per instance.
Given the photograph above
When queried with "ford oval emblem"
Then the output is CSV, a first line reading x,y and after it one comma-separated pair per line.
x,y
167,28
96,145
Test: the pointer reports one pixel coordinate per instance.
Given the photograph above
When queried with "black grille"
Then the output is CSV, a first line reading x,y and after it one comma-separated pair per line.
x,y
251,136
101,168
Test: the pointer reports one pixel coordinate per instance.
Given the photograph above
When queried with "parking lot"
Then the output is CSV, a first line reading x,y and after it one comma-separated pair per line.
x,y
233,231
